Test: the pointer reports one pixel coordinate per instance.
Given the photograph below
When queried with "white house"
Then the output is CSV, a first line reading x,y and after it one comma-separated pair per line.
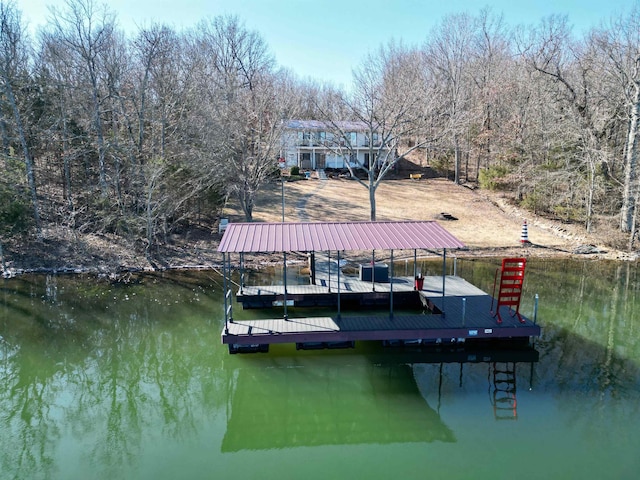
x,y
315,144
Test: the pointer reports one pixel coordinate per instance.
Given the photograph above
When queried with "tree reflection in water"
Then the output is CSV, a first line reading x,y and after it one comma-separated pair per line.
x,y
102,365
100,379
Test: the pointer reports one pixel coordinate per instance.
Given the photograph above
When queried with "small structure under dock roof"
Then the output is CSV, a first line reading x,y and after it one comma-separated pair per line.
x,y
458,308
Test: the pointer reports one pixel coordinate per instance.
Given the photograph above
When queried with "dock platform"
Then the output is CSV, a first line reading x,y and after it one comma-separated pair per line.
x,y
433,309
462,312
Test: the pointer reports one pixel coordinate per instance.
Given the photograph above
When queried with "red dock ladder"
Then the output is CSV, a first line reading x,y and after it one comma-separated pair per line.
x,y
510,289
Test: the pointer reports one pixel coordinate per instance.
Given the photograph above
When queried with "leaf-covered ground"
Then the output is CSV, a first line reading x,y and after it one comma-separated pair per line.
x,y
486,222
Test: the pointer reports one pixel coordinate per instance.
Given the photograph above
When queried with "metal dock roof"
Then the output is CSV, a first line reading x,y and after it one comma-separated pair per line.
x,y
318,237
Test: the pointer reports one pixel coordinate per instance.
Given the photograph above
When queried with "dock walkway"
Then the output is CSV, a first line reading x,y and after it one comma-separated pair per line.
x,y
462,312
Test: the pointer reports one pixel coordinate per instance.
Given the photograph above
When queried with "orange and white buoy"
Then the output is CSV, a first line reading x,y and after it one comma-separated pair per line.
x,y
524,236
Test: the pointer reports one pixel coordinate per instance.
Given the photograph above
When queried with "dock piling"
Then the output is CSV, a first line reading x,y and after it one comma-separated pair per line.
x,y
464,309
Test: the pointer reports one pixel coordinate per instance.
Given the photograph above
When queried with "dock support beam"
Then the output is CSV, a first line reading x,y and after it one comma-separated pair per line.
x,y
228,294
241,273
312,267
464,310
329,269
286,315
444,275
224,289
338,283
391,287
373,270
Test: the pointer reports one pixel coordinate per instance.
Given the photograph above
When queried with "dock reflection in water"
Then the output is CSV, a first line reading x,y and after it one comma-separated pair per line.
x,y
338,400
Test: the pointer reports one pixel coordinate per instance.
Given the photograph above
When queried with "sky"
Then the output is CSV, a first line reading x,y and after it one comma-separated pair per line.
x,y
326,39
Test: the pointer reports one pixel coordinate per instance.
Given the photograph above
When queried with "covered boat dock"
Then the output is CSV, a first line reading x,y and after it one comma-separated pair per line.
x,y
456,310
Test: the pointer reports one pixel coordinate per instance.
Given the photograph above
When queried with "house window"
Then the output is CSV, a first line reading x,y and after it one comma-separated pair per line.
x,y
319,138
374,140
353,138
367,157
304,138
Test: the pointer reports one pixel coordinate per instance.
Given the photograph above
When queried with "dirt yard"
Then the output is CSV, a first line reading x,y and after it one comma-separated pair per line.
x,y
485,222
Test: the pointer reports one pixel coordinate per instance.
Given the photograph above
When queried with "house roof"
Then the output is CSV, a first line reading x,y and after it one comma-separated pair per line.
x,y
318,237
347,126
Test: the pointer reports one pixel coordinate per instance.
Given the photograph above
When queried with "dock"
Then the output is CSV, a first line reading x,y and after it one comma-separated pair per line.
x,y
463,312
435,310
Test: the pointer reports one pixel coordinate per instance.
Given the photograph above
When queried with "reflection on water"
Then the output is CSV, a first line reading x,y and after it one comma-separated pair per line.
x,y
102,380
329,404
343,400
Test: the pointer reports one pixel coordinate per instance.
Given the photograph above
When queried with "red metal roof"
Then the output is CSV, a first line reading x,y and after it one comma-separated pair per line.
x,y
318,237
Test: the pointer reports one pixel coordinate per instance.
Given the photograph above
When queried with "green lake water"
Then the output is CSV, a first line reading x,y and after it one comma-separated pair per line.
x,y
113,381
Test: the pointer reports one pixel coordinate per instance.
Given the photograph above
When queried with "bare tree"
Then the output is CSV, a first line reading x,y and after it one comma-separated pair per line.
x,y
87,31
242,102
620,46
573,70
490,64
57,73
390,102
13,67
448,54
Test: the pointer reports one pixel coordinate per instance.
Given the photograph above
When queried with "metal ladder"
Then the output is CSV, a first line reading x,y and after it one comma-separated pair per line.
x,y
510,289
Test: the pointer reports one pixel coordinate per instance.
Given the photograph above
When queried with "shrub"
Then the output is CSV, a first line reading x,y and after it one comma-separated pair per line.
x,y
568,214
441,165
535,203
295,170
14,209
489,178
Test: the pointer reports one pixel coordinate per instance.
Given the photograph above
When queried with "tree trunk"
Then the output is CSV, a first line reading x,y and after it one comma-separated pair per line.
x,y
150,227
100,138
4,266
456,174
27,155
630,187
65,155
372,201
590,195
5,138
634,222
246,199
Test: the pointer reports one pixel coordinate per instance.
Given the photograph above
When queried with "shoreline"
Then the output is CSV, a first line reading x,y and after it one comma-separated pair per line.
x,y
114,269
487,222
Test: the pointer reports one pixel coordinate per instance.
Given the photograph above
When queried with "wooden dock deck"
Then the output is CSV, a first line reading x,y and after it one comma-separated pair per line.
x,y
462,312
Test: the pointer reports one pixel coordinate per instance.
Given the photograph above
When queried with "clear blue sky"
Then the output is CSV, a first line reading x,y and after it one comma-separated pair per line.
x,y
326,39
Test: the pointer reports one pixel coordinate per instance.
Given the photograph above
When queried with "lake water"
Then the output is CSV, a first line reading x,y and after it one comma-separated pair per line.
x,y
130,381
